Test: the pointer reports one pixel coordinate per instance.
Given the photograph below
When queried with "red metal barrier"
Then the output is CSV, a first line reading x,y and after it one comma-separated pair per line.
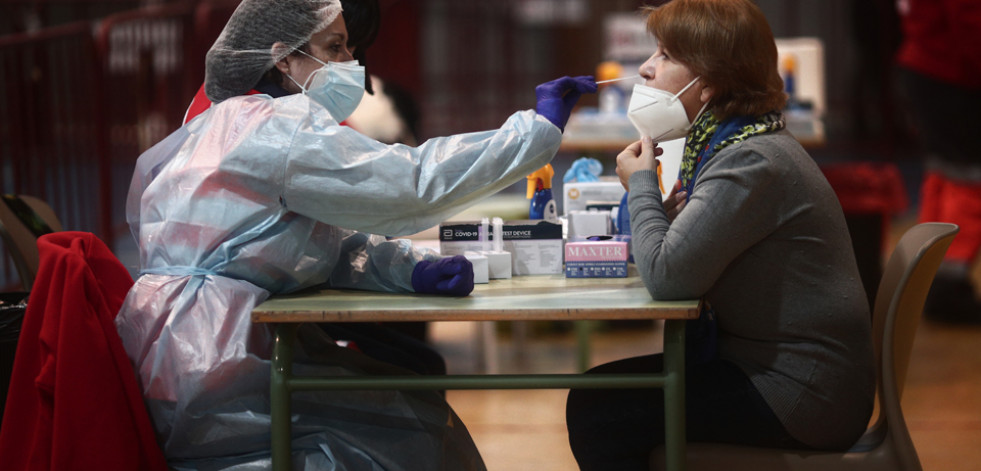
x,y
143,56
22,16
209,19
48,138
80,102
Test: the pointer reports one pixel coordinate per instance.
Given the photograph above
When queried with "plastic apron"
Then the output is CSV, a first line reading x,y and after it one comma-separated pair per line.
x,y
248,200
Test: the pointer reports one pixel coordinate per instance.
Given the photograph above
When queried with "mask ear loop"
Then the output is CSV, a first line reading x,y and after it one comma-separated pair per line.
x,y
303,88
701,111
301,51
678,97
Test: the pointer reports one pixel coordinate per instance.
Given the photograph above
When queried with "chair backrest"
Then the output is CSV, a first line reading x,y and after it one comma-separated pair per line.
x,y
906,280
20,233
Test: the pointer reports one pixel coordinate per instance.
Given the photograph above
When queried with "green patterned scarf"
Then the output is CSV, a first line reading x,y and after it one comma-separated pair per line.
x,y
708,136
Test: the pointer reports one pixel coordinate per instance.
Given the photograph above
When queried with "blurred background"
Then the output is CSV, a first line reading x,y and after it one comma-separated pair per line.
x,y
88,85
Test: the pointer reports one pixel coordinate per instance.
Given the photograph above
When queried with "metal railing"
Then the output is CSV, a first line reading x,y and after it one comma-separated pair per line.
x,y
81,101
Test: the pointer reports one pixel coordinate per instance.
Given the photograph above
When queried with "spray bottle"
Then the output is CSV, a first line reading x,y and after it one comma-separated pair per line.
x,y
612,98
789,72
540,194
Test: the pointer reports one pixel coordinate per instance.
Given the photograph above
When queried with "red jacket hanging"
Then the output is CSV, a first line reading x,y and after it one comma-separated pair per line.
x,y
74,402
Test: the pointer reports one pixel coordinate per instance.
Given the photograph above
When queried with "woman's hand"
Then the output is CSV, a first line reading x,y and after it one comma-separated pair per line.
x,y
641,155
675,201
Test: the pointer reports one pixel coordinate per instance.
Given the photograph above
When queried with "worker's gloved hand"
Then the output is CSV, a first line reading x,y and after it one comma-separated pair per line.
x,y
557,98
450,275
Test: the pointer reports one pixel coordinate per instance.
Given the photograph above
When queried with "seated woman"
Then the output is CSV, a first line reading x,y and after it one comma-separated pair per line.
x,y
782,355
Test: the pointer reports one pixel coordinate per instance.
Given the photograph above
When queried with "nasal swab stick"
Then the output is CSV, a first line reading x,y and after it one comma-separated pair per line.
x,y
483,236
498,241
618,79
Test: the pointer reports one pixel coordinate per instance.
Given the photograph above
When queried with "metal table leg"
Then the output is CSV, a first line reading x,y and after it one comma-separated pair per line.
x,y
672,380
584,330
279,396
674,395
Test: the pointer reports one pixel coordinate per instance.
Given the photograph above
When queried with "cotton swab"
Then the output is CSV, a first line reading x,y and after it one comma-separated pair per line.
x,y
618,79
498,242
483,235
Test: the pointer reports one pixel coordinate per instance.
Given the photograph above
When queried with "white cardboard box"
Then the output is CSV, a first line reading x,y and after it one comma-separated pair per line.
x,y
576,195
536,246
588,223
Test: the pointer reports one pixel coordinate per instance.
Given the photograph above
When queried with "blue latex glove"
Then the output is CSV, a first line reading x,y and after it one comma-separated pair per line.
x,y
556,98
450,275
583,170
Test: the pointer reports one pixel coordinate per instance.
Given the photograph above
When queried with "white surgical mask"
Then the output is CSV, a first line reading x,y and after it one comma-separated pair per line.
x,y
338,86
660,114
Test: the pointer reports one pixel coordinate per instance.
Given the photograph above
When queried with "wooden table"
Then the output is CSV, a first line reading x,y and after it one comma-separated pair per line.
x,y
523,298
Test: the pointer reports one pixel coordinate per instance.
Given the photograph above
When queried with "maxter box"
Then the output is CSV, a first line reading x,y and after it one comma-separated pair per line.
x,y
596,259
535,245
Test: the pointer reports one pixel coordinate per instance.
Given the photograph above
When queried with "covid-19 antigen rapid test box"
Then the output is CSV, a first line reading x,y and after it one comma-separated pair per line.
x,y
535,245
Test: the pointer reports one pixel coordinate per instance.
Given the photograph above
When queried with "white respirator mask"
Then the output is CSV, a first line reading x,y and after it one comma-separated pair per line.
x,y
658,114
338,86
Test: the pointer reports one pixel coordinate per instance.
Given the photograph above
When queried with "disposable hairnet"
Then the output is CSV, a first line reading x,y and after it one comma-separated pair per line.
x,y
243,51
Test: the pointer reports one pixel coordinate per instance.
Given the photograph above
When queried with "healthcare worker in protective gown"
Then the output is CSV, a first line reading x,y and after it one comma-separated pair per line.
x,y
261,195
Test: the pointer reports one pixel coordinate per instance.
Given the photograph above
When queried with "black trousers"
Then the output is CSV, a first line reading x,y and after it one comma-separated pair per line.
x,y
389,345
618,428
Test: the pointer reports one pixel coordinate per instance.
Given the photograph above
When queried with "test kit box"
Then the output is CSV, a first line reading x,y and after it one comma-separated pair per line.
x,y
535,245
601,258
588,223
576,196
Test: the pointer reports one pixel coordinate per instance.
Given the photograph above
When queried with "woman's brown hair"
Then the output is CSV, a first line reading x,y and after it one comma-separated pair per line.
x,y
730,45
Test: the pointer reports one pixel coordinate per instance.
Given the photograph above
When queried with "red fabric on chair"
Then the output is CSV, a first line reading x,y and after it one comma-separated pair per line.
x,y
74,401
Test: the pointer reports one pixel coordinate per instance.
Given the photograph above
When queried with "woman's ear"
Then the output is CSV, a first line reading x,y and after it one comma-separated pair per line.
x,y
281,51
707,93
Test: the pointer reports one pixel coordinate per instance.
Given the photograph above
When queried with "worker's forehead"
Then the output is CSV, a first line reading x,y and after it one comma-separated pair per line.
x,y
335,30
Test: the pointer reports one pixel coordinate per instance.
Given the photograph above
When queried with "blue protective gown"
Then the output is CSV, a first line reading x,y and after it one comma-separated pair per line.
x,y
248,200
